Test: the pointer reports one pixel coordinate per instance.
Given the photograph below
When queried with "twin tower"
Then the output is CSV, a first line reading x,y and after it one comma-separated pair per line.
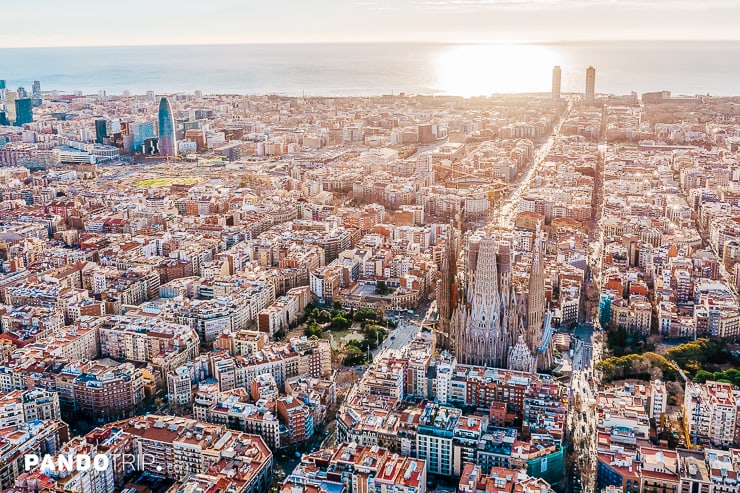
x,y
590,83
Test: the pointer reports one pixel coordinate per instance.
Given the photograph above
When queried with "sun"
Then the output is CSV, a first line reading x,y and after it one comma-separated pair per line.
x,y
483,69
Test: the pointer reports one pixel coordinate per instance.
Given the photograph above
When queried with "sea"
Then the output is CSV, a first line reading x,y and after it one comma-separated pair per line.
x,y
683,67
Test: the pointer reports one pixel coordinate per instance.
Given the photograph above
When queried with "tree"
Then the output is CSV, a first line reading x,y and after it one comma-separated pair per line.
x,y
646,366
324,316
693,356
381,288
313,329
353,356
339,322
730,376
702,376
372,336
367,314
617,339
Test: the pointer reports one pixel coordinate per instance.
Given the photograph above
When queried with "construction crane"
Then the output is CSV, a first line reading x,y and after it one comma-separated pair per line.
x,y
431,327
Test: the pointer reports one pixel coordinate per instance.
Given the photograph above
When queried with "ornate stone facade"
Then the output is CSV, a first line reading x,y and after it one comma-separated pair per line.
x,y
447,290
536,307
486,324
492,316
520,357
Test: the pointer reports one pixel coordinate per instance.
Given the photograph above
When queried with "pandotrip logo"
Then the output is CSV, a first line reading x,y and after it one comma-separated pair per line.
x,y
62,465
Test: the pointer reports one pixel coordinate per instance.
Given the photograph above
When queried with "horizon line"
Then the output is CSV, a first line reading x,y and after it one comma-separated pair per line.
x,y
376,42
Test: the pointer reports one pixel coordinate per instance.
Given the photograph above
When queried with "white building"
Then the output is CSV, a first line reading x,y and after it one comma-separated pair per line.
x,y
658,399
711,412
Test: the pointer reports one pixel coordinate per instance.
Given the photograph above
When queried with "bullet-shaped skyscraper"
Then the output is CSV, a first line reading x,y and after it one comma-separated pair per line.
x,y
167,142
556,76
590,84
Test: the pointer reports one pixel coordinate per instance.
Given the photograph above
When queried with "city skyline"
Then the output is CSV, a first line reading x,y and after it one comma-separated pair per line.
x,y
376,246
328,21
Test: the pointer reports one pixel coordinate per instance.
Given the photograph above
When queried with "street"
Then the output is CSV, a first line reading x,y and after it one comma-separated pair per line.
x,y
583,351
582,418
408,325
508,211
400,336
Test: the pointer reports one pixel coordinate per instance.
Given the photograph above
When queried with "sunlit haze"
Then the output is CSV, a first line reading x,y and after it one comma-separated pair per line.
x,y
459,71
89,23
376,246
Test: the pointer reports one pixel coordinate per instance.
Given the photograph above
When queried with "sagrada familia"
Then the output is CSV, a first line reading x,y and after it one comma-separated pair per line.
x,y
483,316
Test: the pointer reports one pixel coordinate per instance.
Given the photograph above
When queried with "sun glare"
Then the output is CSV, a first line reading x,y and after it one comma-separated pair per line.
x,y
479,70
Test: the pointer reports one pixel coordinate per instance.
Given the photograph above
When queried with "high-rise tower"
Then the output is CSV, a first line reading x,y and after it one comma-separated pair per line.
x,y
101,130
167,142
23,111
590,84
556,78
36,93
10,97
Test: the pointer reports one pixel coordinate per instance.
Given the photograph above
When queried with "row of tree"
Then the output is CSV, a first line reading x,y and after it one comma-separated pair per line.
x,y
647,366
699,359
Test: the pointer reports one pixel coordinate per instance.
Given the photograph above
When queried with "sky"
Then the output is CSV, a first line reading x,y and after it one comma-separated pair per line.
x,y
157,22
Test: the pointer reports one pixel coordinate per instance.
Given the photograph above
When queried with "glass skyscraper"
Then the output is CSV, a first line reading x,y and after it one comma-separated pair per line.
x,y
23,111
167,142
141,132
101,131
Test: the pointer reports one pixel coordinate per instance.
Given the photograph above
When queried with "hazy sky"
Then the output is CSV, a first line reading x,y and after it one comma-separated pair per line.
x,y
141,22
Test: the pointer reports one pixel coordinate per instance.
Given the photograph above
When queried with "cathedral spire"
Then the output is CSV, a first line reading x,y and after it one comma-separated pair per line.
x,y
484,326
536,297
445,289
520,357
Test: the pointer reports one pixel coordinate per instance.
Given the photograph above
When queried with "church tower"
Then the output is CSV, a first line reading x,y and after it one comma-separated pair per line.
x,y
536,307
446,290
536,297
483,325
520,357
